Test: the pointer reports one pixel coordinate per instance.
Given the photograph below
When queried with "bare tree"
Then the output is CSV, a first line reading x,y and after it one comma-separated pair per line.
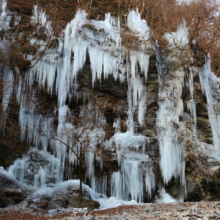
x,y
82,134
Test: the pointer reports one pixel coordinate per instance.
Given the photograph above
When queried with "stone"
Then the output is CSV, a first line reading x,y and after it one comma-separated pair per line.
x,y
103,217
117,217
68,218
125,213
40,210
179,209
90,204
89,217
10,197
42,204
149,209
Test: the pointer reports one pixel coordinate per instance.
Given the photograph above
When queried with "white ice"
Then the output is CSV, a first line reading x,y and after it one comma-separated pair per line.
x,y
165,197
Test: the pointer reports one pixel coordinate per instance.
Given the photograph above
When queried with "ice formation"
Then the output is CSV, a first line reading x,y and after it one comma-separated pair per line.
x,y
178,39
39,17
165,197
210,87
170,109
129,181
104,201
58,71
191,104
37,169
61,71
4,17
138,25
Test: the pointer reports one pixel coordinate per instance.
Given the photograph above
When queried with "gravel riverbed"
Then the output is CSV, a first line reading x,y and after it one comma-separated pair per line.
x,y
183,211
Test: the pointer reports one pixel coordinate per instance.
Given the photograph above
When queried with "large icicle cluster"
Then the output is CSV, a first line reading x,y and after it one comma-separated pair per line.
x,y
129,182
135,167
170,109
57,73
60,69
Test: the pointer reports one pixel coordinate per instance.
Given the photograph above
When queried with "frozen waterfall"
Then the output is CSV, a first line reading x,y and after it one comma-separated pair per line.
x,y
99,43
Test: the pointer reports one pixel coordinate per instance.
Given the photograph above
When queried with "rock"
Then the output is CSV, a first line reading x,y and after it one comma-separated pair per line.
x,y
125,213
40,210
16,195
10,197
149,209
52,211
6,181
4,200
68,218
42,204
73,189
103,217
193,190
89,217
90,204
117,217
180,209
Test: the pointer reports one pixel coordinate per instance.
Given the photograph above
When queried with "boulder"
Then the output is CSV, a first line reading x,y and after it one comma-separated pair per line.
x,y
90,204
16,195
10,197
89,217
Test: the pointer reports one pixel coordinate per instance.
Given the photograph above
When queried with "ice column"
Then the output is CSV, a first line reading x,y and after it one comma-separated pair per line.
x,y
210,87
191,104
5,18
8,85
128,183
171,108
168,122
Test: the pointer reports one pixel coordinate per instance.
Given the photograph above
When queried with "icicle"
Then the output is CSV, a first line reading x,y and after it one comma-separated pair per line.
x,y
191,104
5,17
39,17
136,24
8,84
39,178
210,88
167,119
149,181
129,181
180,37
170,109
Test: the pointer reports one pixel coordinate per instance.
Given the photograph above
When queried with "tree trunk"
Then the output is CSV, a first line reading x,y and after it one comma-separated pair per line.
x,y
80,173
